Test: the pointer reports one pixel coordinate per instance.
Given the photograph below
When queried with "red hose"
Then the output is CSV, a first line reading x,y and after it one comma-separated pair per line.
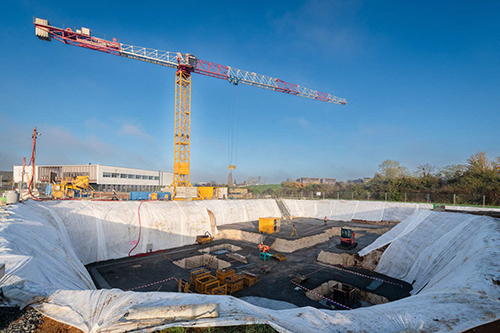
x,y
32,171
140,227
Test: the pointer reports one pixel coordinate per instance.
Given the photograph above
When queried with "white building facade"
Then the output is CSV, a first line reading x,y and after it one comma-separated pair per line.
x,y
102,177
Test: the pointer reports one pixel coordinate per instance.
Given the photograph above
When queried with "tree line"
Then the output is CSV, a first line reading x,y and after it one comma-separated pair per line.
x,y
478,176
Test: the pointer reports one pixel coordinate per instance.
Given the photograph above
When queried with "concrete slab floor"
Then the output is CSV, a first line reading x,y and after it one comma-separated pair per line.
x,y
133,272
305,227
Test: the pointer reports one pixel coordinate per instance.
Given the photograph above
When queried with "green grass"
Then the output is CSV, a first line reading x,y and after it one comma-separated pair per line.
x,y
258,189
260,328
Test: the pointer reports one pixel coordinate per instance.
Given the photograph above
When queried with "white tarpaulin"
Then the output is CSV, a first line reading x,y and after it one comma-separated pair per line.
x,y
231,211
347,210
101,230
453,259
38,255
439,251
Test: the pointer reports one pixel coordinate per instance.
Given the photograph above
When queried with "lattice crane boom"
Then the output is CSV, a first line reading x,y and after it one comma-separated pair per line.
x,y
170,59
185,65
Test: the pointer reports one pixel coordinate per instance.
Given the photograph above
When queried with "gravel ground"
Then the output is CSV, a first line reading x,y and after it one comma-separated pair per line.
x,y
13,320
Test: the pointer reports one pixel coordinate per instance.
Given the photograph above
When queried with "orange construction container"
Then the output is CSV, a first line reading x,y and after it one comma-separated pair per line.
x,y
223,273
249,279
234,283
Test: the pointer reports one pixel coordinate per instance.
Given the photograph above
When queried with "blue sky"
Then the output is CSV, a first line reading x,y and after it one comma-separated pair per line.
x,y
422,81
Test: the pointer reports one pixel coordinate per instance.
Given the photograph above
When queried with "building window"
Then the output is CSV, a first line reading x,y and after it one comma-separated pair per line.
x,y
75,174
115,175
138,176
151,177
123,175
131,176
144,177
157,178
106,174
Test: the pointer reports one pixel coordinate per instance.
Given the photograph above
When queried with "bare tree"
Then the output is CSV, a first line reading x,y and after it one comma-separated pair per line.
x,y
426,170
392,169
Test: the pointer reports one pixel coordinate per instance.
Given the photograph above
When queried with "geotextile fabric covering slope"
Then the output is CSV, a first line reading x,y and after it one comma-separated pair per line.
x,y
102,230
450,257
347,210
453,259
38,255
231,211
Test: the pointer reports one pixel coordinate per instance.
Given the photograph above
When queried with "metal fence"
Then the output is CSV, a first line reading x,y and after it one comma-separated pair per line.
x,y
415,197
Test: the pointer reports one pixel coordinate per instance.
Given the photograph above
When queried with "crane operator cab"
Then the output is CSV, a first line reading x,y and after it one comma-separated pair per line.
x,y
187,60
347,239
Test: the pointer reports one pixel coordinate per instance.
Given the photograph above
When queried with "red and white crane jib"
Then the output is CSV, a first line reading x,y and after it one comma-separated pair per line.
x,y
80,38
236,76
84,39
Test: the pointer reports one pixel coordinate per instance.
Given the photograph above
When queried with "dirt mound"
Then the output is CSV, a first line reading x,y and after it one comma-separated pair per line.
x,y
370,261
14,320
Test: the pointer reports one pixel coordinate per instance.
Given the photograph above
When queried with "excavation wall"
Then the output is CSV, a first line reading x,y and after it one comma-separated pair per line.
x,y
102,230
353,210
451,259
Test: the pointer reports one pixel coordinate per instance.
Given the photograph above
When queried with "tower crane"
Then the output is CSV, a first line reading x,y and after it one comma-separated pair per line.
x,y
185,64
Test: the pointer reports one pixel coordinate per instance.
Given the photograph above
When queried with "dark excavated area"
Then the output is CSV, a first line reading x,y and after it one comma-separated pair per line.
x,y
288,280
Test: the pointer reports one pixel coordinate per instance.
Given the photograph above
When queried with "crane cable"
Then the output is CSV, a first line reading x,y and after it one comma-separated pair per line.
x,y
233,133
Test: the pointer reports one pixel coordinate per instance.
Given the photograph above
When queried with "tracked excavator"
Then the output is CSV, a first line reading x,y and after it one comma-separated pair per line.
x,y
347,239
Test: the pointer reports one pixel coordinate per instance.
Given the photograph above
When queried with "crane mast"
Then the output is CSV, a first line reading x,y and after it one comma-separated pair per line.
x,y
186,64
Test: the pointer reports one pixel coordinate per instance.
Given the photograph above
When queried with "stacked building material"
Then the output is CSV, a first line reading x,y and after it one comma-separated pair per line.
x,y
223,273
237,256
208,286
249,279
222,290
203,281
197,273
183,286
234,283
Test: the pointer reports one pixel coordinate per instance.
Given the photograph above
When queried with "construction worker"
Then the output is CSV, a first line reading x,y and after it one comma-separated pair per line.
x,y
325,219
263,248
115,196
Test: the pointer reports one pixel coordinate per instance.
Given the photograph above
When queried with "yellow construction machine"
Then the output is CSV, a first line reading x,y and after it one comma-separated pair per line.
x,y
72,187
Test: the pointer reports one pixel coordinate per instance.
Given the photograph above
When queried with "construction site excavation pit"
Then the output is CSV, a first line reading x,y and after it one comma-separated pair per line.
x,y
159,271
98,267
204,260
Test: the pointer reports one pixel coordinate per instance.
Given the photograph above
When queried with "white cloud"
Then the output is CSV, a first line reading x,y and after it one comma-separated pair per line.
x,y
135,131
300,121
61,145
95,124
